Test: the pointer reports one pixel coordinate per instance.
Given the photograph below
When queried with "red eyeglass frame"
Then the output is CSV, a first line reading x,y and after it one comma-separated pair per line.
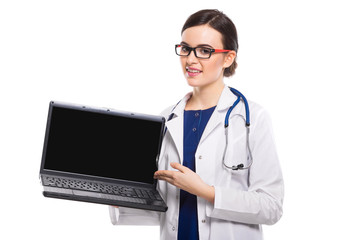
x,y
212,50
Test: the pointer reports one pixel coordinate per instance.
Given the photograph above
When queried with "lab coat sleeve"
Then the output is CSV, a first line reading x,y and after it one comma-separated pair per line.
x,y
131,216
262,202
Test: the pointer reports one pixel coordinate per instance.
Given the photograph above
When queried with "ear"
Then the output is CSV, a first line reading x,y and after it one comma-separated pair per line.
x,y
229,59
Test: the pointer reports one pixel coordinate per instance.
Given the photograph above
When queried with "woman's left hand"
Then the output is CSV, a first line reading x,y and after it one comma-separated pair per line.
x,y
187,180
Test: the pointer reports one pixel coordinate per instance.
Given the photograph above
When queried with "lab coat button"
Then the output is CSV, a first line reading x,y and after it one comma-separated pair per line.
x,y
173,228
200,157
203,221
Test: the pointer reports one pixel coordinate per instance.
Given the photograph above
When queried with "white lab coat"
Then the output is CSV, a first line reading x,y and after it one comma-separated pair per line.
x,y
244,199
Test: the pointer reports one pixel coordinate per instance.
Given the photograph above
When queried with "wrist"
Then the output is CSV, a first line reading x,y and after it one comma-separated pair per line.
x,y
208,193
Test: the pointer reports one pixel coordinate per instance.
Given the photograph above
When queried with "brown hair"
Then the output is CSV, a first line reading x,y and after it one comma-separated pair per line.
x,y
221,23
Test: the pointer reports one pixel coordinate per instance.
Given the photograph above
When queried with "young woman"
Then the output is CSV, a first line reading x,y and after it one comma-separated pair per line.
x,y
206,198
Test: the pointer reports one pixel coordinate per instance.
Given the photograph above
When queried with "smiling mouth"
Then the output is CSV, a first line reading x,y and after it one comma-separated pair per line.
x,y
192,70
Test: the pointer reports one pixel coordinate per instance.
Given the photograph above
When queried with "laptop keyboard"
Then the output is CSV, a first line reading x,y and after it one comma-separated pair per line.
x,y
124,191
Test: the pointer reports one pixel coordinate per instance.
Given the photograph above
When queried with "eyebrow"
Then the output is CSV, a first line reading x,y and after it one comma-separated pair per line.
x,y
200,45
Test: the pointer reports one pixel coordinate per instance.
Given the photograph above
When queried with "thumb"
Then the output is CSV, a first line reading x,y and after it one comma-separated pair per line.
x,y
178,166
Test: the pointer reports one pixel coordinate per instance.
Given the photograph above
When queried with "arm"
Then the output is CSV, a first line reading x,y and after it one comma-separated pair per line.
x,y
131,216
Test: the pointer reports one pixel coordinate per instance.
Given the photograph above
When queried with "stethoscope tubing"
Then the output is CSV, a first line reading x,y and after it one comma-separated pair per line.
x,y
247,109
240,97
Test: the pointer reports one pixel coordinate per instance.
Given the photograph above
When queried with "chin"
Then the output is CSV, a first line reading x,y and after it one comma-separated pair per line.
x,y
192,82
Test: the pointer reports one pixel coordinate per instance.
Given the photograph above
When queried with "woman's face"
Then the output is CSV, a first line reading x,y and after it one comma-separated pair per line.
x,y
203,72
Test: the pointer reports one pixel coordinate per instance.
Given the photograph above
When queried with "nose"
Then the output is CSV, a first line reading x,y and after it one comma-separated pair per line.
x,y
191,58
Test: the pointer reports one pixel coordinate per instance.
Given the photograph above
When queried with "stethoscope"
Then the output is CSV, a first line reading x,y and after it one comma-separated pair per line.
x,y
240,96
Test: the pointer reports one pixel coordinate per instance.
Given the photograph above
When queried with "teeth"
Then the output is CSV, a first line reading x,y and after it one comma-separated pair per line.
x,y
192,71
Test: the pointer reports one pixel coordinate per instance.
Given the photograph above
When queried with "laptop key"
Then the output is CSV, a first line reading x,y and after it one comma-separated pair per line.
x,y
139,194
145,194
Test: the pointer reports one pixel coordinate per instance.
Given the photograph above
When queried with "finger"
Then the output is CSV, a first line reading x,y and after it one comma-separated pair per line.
x,y
178,166
167,179
165,173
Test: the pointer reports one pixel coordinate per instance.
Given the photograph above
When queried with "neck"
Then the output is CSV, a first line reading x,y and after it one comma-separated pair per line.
x,y
205,97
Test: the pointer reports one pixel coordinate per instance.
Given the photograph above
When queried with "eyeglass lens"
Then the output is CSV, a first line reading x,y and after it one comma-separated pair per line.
x,y
200,52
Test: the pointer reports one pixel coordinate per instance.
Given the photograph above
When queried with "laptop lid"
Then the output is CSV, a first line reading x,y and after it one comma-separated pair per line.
x,y
101,144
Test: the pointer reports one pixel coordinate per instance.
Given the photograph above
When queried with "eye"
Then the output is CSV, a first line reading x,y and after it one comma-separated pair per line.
x,y
205,51
185,49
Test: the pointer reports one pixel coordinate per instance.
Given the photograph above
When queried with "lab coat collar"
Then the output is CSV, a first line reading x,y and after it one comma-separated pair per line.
x,y
226,100
175,123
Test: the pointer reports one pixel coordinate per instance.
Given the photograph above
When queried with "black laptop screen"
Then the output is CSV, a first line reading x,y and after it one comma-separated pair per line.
x,y
103,145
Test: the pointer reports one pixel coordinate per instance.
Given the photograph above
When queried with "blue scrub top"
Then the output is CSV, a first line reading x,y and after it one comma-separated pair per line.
x,y
194,124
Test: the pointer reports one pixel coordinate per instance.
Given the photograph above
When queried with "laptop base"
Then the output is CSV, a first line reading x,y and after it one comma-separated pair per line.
x,y
150,205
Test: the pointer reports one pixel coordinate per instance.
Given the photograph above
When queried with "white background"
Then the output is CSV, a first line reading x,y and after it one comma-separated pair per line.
x,y
299,59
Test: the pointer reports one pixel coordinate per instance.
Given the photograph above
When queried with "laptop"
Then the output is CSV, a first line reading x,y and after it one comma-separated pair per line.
x,y
103,156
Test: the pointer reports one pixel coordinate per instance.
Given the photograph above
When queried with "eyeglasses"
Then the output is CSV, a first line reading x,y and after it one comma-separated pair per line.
x,y
200,52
